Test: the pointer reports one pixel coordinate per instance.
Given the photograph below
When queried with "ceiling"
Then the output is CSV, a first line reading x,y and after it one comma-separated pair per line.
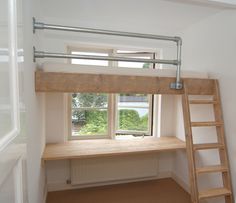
x,y
210,3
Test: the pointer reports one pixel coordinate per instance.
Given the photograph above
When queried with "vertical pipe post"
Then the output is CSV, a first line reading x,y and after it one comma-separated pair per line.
x,y
178,84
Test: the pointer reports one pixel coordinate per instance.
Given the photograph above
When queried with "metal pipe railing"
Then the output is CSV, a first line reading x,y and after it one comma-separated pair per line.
x,y
41,54
42,26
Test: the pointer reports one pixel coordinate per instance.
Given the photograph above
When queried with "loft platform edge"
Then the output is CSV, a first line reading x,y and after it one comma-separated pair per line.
x,y
107,83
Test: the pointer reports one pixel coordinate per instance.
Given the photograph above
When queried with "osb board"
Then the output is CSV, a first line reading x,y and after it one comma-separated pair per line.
x,y
102,83
107,147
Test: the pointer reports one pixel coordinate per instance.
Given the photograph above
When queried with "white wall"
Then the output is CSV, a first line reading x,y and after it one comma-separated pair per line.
x,y
154,17
210,45
34,107
151,16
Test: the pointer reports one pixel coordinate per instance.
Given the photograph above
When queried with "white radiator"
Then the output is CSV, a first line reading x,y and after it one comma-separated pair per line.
x,y
105,169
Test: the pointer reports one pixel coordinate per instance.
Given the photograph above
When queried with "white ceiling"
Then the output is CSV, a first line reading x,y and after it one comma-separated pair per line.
x,y
226,2
210,3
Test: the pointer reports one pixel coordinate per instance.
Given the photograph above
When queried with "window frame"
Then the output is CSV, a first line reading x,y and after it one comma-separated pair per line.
x,y
113,121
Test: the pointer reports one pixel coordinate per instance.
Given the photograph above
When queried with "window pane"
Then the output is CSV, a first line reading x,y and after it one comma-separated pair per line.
x,y
133,119
89,122
89,62
135,64
132,54
135,99
133,113
89,114
6,108
90,100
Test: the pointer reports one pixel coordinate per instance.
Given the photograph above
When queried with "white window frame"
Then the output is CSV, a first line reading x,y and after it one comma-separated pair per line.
x,y
112,98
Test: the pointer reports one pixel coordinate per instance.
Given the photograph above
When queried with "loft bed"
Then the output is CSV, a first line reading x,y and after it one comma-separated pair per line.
x,y
59,77
141,81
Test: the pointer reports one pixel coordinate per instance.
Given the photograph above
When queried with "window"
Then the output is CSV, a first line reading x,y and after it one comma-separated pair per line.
x,y
132,54
100,115
134,114
89,114
89,62
134,111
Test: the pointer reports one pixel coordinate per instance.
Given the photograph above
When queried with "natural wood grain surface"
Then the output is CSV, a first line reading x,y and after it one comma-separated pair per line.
x,y
216,192
202,101
212,169
189,146
206,124
223,152
104,83
220,145
107,147
208,146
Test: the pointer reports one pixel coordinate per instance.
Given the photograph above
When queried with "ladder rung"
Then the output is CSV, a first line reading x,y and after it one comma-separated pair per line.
x,y
206,124
202,102
207,146
216,192
211,169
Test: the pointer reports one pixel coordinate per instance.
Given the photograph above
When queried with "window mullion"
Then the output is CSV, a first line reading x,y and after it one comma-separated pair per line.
x,y
112,103
150,120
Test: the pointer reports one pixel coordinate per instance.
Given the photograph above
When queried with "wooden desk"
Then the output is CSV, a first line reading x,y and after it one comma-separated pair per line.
x,y
107,147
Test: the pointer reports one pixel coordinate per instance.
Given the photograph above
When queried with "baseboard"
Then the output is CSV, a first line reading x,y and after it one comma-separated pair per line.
x,y
58,186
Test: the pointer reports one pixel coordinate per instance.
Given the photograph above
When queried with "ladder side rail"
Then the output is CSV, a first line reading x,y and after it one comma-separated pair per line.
x,y
223,153
189,147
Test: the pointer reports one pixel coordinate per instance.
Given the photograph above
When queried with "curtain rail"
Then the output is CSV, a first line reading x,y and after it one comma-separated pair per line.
x,y
177,40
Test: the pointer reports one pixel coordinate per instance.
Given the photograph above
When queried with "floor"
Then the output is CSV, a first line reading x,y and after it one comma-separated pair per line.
x,y
154,191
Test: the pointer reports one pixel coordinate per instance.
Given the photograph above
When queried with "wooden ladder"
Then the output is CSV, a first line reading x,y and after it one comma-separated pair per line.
x,y
223,168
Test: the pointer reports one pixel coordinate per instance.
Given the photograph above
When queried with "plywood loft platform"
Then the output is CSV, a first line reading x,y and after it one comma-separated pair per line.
x,y
108,147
